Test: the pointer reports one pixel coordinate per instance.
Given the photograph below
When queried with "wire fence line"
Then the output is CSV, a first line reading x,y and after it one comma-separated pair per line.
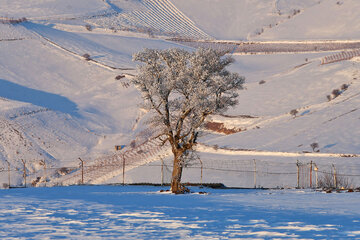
x,y
251,173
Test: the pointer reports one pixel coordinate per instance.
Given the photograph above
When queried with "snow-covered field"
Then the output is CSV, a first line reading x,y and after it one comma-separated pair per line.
x,y
130,212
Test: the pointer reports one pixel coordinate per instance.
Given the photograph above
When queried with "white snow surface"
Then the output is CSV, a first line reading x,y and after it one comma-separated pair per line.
x,y
275,19
115,212
49,9
325,20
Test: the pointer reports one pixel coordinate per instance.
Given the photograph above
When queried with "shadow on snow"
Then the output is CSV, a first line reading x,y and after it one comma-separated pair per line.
x,y
52,101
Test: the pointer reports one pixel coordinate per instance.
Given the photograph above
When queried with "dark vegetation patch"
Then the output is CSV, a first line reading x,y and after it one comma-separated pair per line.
x,y
220,128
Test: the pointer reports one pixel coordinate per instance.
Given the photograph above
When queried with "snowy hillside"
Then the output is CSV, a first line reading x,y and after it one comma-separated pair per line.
x,y
65,88
274,20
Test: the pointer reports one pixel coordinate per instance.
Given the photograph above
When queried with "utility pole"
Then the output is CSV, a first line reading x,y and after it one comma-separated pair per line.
x,y
8,172
82,170
24,174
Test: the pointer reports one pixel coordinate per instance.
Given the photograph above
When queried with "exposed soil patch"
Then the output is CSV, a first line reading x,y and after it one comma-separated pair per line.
x,y
220,128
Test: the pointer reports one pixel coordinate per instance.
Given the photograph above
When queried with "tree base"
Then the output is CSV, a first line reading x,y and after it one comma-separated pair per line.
x,y
180,189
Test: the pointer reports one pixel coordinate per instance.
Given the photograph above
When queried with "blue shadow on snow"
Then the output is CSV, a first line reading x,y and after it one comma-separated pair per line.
x,y
52,101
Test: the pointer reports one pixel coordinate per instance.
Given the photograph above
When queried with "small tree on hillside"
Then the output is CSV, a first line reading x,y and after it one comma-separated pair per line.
x,y
314,146
181,89
294,112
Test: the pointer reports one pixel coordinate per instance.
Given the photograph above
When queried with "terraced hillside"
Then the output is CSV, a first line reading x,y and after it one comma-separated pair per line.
x,y
151,17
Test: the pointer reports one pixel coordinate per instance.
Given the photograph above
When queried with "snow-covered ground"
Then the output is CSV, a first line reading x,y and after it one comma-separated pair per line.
x,y
57,106
130,212
274,20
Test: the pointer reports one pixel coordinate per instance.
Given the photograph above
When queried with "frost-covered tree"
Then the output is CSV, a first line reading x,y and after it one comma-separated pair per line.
x,y
181,89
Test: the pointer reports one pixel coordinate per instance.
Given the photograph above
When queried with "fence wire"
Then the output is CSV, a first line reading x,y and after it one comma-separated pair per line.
x,y
254,173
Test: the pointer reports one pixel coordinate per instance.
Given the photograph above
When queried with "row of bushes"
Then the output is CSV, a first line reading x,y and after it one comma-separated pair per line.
x,y
336,92
12,20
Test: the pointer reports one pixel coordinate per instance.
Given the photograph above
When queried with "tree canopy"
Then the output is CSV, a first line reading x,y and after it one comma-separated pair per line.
x,y
181,89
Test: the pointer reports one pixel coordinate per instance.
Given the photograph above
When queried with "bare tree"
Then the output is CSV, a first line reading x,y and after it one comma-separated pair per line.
x,y
181,89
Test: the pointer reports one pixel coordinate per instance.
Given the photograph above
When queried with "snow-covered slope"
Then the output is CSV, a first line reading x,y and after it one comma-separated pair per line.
x,y
57,105
240,20
331,19
333,124
151,17
275,19
50,9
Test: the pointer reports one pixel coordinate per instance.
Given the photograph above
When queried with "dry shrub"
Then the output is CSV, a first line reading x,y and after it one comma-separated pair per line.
x,y
88,27
63,171
12,20
327,181
344,87
87,57
294,112
336,93
118,77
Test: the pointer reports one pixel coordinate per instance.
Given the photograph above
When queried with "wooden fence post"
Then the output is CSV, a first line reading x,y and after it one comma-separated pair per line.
x,y
8,172
82,170
43,163
298,173
45,172
24,174
162,171
311,163
316,175
201,174
123,172
254,173
335,180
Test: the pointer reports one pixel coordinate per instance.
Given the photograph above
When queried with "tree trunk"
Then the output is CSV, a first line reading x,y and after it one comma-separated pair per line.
x,y
176,186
